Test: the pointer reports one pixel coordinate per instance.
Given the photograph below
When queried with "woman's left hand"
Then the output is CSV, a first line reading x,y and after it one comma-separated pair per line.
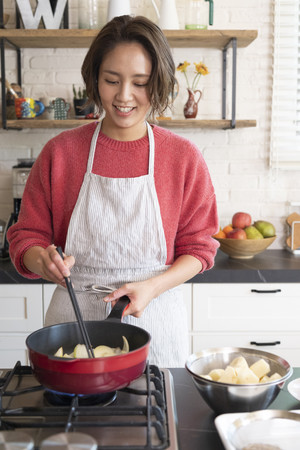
x,y
139,293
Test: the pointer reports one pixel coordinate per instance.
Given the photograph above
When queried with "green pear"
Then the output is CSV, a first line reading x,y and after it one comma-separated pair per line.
x,y
253,233
267,229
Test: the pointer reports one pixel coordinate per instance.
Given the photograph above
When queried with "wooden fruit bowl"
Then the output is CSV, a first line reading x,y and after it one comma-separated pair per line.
x,y
244,248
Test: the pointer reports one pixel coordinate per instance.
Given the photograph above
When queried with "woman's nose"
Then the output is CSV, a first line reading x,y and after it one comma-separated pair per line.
x,y
125,91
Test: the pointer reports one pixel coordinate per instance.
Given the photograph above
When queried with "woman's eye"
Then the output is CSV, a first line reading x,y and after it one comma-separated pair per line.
x,y
141,84
111,82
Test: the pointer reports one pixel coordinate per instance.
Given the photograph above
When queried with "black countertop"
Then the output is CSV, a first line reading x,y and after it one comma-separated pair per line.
x,y
196,426
271,266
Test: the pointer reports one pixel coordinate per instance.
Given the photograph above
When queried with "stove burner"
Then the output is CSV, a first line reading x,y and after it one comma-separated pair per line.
x,y
69,441
63,399
10,440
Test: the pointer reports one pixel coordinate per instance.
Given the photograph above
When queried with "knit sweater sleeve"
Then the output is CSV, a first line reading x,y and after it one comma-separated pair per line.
x,y
50,195
34,223
198,217
187,199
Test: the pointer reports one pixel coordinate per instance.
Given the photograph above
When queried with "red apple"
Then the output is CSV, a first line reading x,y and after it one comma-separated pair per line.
x,y
237,233
241,220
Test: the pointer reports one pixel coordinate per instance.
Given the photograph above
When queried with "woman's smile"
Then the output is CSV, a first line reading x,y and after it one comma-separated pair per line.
x,y
124,109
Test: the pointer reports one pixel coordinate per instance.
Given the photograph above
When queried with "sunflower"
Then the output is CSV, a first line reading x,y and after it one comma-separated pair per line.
x,y
200,69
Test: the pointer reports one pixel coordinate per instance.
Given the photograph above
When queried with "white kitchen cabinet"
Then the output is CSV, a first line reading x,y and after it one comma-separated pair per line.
x,y
21,307
13,349
264,316
21,312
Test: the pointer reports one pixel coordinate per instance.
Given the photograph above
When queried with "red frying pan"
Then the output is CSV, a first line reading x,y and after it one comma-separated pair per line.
x,y
89,375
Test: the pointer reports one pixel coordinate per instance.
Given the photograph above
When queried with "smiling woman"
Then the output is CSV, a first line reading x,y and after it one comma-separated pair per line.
x,y
132,205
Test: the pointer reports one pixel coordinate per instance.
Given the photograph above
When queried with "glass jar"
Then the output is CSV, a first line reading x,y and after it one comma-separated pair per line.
x,y
293,228
199,14
89,14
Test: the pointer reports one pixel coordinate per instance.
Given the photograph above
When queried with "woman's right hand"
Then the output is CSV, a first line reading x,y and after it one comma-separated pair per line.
x,y
48,264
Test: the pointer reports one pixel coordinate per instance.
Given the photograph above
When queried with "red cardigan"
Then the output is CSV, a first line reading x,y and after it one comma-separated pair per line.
x,y
185,192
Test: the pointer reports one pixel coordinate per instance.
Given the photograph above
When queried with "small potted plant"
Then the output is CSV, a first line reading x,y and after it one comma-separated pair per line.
x,y
80,103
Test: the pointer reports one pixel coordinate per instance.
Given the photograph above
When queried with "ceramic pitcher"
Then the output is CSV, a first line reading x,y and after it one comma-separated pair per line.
x,y
167,15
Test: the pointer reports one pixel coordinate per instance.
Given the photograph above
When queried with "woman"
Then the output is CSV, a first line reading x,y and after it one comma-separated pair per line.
x,y
132,205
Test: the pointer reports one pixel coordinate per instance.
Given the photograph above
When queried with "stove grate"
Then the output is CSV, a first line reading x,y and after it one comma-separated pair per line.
x,y
75,417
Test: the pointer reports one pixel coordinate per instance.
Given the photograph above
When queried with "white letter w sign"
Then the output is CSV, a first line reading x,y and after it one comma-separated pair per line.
x,y
43,11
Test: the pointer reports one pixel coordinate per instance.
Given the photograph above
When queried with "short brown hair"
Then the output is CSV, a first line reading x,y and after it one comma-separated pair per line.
x,y
133,29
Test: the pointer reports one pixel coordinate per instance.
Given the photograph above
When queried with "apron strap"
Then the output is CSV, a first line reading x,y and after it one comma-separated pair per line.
x,y
151,149
93,148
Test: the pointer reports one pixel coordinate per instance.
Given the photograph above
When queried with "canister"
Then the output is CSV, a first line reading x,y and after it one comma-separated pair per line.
x,y
199,14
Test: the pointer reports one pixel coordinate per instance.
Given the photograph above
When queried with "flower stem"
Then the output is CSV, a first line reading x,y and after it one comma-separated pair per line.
x,y
187,81
196,81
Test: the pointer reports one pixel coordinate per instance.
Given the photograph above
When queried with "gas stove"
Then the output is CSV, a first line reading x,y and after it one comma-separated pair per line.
x,y
141,416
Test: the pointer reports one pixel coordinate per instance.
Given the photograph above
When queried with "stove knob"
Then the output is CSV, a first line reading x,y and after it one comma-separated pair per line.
x,y
10,440
69,441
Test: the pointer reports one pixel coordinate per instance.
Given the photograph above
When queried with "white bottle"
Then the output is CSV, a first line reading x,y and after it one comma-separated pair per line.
x,y
118,8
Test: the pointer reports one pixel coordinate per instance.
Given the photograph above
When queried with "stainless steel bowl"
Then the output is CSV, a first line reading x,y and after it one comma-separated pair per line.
x,y
226,397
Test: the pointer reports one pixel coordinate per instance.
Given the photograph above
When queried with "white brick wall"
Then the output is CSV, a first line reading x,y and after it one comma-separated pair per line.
x,y
237,159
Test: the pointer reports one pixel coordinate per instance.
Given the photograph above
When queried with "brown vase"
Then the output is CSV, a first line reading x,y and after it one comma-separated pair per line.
x,y
191,107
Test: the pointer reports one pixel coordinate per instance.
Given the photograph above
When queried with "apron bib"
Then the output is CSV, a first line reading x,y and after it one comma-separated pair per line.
x,y
116,236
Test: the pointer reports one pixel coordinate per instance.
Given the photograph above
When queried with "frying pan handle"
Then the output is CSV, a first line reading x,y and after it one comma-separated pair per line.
x,y
117,312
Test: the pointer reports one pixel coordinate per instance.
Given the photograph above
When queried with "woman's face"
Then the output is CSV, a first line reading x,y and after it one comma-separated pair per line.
x,y
122,85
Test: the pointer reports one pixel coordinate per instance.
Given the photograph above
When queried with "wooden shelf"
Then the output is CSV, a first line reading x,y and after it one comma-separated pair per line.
x,y
185,123
214,124
74,38
43,123
78,38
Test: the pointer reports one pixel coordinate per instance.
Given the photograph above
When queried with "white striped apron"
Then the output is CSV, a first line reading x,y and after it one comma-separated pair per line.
x,y
116,236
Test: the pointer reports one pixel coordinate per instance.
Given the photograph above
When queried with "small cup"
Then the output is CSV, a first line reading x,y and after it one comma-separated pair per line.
x,y
28,108
49,108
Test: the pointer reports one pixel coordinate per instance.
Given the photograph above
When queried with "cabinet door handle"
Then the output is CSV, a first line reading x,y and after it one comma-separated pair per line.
x,y
259,344
266,291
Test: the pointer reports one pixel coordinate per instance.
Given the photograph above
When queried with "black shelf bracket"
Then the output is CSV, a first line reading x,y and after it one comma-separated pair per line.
x,y
3,43
232,42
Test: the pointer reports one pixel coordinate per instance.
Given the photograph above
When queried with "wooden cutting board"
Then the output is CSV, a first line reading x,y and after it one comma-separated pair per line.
x,y
293,241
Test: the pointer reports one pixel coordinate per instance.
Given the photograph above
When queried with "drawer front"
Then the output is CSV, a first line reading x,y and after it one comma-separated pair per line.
x,y
13,349
240,307
286,346
21,308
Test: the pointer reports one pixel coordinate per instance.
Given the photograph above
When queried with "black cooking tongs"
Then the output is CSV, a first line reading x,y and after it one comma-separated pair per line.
x,y
83,330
